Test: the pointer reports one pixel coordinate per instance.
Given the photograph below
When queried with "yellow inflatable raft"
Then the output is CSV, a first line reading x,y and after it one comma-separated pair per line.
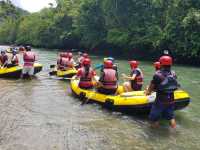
x,y
67,73
132,101
15,72
63,73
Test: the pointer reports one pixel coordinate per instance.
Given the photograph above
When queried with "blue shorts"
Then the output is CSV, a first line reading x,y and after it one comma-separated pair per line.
x,y
161,111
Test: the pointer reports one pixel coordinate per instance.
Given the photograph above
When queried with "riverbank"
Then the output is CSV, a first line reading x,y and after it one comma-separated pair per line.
x,y
129,54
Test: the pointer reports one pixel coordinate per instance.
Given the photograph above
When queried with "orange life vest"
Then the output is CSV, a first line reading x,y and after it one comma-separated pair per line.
x,y
86,81
109,79
29,58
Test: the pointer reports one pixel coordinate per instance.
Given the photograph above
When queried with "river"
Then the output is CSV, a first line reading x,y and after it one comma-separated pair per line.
x,y
42,115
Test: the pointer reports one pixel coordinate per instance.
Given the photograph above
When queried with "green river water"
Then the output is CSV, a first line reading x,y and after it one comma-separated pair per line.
x,y
42,115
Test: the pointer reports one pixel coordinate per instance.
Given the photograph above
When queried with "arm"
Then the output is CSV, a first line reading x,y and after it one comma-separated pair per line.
x,y
6,62
124,76
78,75
117,75
36,57
150,89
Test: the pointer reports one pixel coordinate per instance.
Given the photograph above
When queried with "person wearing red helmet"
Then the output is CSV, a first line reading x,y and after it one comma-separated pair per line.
x,y
81,58
71,62
86,75
135,79
65,54
157,65
62,61
164,83
108,79
65,61
29,58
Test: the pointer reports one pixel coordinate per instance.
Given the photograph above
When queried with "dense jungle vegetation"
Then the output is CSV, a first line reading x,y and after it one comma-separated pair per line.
x,y
119,27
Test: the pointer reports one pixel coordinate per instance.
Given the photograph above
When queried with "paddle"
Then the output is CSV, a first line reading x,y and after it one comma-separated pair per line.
x,y
53,70
70,78
98,66
87,100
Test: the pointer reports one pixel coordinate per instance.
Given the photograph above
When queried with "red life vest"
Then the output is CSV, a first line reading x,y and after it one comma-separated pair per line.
x,y
29,58
21,49
109,79
86,81
63,63
80,60
139,78
70,63
64,54
3,59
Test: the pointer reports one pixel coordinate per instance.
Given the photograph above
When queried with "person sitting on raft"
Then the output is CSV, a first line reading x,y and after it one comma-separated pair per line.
x,y
100,66
71,62
113,61
62,61
86,75
29,58
14,58
81,58
157,65
108,82
135,79
3,59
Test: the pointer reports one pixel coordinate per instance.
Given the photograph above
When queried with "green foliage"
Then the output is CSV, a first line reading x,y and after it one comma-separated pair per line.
x,y
90,24
149,25
8,31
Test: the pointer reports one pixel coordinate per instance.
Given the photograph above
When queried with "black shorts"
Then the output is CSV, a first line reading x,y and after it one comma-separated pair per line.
x,y
136,87
161,111
106,91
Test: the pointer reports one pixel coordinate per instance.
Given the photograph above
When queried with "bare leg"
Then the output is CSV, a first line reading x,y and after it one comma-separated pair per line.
x,y
127,87
173,123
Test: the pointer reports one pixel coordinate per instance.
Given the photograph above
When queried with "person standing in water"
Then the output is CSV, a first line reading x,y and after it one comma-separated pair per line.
x,y
164,83
14,58
29,58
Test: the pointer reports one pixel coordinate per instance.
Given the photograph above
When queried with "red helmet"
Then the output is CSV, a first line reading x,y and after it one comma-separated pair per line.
x,y
85,55
165,61
70,55
61,54
133,64
157,65
86,61
64,54
108,64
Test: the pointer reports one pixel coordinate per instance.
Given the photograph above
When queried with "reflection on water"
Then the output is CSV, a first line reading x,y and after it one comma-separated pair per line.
x,y
41,114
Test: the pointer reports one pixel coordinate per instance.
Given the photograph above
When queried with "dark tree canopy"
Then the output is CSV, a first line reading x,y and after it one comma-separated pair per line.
x,y
140,27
